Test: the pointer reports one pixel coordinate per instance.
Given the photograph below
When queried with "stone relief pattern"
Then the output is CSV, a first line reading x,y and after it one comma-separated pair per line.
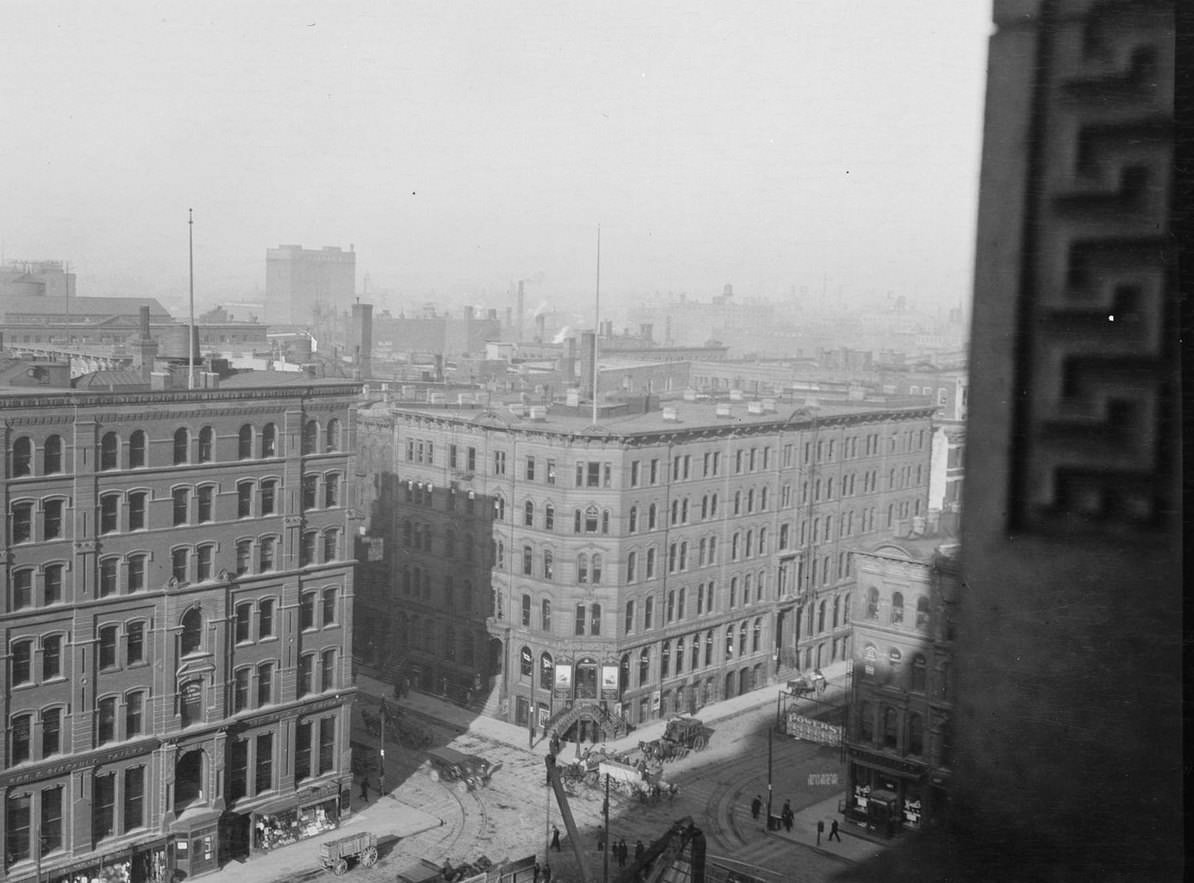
x,y
1095,441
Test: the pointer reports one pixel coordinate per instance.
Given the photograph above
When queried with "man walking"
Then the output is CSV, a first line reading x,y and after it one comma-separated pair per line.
x,y
555,838
756,806
622,852
788,816
833,834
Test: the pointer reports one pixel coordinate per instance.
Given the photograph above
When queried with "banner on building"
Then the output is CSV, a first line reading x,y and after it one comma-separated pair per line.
x,y
564,676
609,681
801,727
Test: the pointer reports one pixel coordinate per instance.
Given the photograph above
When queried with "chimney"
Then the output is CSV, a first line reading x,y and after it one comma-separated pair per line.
x,y
521,309
588,348
362,338
568,362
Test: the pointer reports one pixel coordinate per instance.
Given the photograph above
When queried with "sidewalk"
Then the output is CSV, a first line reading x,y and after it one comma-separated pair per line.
x,y
389,818
851,848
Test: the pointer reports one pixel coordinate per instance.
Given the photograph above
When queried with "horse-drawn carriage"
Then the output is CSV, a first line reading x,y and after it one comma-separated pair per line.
x,y
682,735
469,771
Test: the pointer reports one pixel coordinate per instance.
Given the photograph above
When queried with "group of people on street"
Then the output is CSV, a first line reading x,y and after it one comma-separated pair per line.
x,y
788,819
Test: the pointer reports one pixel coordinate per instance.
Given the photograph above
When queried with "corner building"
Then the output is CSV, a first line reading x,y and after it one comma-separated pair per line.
x,y
585,577
177,610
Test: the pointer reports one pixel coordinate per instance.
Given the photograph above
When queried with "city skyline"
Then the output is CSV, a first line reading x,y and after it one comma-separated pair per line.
x,y
461,149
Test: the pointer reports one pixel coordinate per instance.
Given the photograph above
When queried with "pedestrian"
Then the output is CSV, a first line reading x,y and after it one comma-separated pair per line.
x,y
622,852
535,878
820,831
788,816
833,834
364,787
555,838
555,743
638,850
756,806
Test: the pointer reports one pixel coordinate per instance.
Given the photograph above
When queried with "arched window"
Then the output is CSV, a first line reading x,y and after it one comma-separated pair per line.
x,y
594,619
633,520
922,613
709,648
310,436
821,616
763,499
897,608
628,624
866,722
549,517
837,607
526,611
582,568
916,735
269,440
756,636
644,666
891,734
547,670
919,671
244,442
545,615
679,656
665,659
528,557
648,611
182,444
596,569
499,507
331,440
652,514
22,457
872,603
631,566
742,639
696,652
762,541
528,517
526,662
206,443
729,641
109,451
548,564
190,638
52,455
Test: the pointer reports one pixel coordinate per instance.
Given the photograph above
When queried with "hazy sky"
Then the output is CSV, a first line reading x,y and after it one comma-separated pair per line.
x,y
461,146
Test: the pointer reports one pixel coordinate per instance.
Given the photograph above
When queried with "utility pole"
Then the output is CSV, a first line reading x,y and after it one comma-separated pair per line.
x,y
381,753
191,326
769,732
605,837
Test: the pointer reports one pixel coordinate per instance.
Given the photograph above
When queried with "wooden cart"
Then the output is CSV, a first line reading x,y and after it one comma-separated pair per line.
x,y
334,854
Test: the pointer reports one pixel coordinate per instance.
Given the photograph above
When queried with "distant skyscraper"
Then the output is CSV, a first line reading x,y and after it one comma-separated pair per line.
x,y
302,284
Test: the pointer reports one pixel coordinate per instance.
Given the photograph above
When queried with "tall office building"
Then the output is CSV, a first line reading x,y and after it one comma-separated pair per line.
x,y
176,595
305,285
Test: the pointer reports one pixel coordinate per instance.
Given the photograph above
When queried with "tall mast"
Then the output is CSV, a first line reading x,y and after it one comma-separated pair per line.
x,y
191,325
597,323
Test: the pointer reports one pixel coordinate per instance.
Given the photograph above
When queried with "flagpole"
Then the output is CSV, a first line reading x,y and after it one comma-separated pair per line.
x,y
596,322
191,325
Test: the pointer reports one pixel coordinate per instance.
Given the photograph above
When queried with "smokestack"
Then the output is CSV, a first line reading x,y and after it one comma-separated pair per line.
x,y
588,343
540,323
520,307
144,312
568,363
362,338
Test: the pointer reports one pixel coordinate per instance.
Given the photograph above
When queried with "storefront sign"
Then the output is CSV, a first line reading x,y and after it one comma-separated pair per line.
x,y
800,727
563,676
892,764
609,680
98,758
822,778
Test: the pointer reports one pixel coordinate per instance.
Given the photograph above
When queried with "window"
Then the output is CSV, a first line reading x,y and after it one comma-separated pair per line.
x,y
20,728
310,487
264,780
890,728
307,548
107,576
329,607
665,657
52,520
331,438
545,615
134,714
191,636
528,514
526,662
548,564
244,619
650,566
310,436
872,603
306,670
182,443
51,731
307,611
631,566
105,721
244,556
919,672
107,647
181,498
327,744
634,473
269,489
265,554
51,657
922,613
179,564
134,650
265,683
109,451
648,612
206,437
331,545
582,568
204,500
644,666
22,457
897,608
327,669
331,491
580,620
53,583
596,569
526,610
244,443
628,625
22,589
595,619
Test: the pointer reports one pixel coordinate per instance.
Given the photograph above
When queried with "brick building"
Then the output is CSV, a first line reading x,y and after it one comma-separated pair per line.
x,y
646,565
175,613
